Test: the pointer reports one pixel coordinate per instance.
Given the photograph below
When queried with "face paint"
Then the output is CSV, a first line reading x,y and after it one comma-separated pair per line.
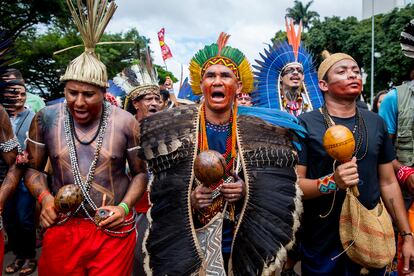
x,y
84,101
344,79
219,86
292,77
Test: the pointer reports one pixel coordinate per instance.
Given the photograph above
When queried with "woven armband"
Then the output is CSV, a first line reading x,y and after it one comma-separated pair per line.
x,y
403,173
326,184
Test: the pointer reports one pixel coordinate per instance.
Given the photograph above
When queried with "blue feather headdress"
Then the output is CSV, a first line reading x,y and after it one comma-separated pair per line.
x,y
274,60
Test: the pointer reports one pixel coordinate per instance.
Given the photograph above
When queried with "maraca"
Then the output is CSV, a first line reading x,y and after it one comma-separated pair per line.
x,y
339,143
209,167
68,198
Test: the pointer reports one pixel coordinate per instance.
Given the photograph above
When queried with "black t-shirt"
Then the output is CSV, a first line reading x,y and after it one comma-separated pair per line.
x,y
322,234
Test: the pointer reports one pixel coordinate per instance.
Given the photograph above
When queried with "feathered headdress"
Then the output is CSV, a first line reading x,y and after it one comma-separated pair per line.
x,y
138,80
219,53
91,22
275,59
407,39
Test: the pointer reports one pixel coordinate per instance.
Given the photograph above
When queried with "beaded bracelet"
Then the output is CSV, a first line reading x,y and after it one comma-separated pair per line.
x,y
403,173
42,195
326,184
125,206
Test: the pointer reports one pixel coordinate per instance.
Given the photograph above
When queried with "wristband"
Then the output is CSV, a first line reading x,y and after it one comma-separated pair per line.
x,y
404,234
125,206
326,184
403,173
42,195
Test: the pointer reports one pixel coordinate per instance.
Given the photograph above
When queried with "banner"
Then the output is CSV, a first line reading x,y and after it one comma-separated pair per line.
x,y
165,50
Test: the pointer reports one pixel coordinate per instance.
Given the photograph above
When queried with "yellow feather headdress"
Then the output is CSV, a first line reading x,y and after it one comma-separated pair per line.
x,y
219,53
91,22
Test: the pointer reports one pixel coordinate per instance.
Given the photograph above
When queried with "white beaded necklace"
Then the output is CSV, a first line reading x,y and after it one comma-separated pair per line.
x,y
69,135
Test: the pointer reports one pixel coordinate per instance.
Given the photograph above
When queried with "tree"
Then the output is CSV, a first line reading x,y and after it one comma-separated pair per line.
x,y
19,15
301,12
42,69
353,37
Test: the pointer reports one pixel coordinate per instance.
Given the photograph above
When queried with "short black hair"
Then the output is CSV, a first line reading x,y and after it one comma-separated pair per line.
x,y
13,71
165,94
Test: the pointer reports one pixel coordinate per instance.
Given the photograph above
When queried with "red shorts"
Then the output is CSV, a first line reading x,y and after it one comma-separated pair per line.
x,y
78,247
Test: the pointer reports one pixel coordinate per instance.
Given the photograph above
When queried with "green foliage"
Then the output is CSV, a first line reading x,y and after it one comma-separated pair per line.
x,y
162,74
354,38
19,15
42,27
301,12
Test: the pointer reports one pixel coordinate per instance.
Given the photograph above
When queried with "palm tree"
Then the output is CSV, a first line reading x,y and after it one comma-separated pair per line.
x,y
302,12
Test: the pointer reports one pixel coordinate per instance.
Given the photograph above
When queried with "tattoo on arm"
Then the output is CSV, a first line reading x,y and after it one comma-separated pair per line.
x,y
35,181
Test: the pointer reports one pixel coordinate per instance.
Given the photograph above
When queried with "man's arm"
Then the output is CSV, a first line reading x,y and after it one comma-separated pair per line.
x,y
345,176
138,184
14,174
35,178
392,197
389,112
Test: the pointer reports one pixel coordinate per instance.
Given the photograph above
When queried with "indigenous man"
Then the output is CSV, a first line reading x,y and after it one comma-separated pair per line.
x,y
370,169
10,173
242,223
140,83
88,142
244,99
397,109
286,78
19,215
33,101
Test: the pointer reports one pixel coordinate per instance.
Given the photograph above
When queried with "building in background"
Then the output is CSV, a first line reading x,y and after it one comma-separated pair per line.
x,y
382,6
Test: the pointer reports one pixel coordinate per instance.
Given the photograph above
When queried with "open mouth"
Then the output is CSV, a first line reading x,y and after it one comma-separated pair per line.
x,y
217,95
80,113
152,110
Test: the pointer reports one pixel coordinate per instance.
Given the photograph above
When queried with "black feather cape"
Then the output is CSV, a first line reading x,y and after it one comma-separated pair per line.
x,y
271,209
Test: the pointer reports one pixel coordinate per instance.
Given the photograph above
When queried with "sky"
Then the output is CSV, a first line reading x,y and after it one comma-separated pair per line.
x,y
191,24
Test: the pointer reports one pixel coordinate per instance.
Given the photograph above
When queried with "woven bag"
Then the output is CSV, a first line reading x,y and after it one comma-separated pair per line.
x,y
367,236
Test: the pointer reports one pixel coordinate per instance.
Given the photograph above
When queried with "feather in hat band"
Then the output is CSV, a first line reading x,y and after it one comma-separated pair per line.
x,y
221,61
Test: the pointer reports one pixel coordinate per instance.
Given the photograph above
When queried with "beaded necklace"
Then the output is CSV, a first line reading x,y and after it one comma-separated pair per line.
x,y
230,152
86,185
70,140
360,130
72,123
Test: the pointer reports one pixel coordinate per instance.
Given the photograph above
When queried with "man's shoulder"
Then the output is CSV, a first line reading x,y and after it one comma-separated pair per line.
x,y
122,116
51,110
309,116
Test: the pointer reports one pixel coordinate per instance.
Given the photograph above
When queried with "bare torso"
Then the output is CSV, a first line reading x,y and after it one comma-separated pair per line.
x,y
110,177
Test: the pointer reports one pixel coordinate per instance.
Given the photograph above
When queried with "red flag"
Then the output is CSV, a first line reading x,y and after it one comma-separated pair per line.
x,y
165,50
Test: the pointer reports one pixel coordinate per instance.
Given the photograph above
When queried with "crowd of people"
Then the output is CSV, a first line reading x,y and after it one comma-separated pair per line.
x,y
240,183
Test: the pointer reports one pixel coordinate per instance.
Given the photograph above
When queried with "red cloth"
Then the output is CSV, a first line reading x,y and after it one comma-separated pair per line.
x,y
78,247
143,204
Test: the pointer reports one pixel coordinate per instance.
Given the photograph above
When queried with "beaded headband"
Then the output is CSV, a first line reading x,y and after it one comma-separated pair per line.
x,y
219,53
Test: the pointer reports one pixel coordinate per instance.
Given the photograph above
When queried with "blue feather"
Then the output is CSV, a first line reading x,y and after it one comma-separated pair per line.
x,y
268,70
274,117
